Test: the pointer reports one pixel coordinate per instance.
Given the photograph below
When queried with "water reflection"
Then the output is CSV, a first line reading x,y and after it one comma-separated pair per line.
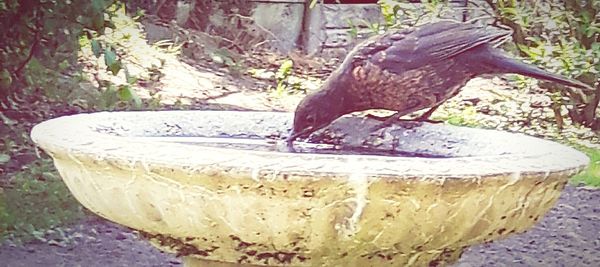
x,y
280,145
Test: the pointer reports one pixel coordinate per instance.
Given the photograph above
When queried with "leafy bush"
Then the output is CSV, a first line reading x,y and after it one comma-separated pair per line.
x,y
404,14
38,53
563,37
39,74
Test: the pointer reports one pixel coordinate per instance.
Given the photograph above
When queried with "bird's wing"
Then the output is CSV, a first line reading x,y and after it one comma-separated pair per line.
x,y
429,44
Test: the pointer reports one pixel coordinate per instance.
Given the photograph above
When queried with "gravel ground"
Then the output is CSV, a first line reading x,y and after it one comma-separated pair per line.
x,y
568,236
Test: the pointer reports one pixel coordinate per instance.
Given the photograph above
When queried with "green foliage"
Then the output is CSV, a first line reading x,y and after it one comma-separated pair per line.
x,y
40,77
372,27
285,81
563,53
96,48
110,59
563,37
117,97
36,200
354,29
38,48
466,118
44,42
403,13
284,71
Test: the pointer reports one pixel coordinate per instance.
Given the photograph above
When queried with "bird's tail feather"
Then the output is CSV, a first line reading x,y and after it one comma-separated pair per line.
x,y
509,65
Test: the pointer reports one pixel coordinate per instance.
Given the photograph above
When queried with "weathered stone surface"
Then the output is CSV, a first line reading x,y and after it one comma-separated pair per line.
x,y
267,207
342,15
283,20
329,25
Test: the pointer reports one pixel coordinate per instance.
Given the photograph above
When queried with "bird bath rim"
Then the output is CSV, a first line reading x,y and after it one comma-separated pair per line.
x,y
86,134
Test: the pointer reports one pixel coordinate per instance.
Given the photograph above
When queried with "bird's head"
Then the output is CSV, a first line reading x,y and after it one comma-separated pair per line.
x,y
314,112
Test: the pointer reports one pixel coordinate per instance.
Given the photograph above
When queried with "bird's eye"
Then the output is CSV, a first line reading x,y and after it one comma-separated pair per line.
x,y
310,118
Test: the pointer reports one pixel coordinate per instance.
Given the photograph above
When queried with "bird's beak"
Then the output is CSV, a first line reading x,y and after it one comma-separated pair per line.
x,y
290,140
294,135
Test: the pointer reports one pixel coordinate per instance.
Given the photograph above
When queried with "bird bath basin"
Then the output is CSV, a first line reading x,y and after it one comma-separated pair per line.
x,y
211,187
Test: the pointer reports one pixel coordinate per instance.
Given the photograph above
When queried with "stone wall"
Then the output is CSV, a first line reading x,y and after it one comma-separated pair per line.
x,y
325,29
328,27
283,19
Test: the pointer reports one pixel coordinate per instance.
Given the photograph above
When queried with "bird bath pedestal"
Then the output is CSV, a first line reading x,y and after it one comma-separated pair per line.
x,y
210,187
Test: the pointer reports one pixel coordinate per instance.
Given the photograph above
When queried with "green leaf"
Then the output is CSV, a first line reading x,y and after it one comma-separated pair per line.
x,y
529,51
5,79
110,59
63,65
4,158
115,68
109,97
126,93
96,48
285,69
591,31
128,78
98,5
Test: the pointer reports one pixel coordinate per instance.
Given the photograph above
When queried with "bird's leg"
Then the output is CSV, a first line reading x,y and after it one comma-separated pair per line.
x,y
389,120
379,118
425,116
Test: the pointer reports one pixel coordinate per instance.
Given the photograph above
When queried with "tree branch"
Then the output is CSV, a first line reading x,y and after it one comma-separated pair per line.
x,y
34,45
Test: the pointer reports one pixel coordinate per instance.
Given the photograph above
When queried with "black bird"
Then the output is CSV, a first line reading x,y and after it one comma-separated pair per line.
x,y
409,70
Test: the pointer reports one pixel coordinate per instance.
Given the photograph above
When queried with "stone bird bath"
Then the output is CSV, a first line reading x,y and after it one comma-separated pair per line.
x,y
211,187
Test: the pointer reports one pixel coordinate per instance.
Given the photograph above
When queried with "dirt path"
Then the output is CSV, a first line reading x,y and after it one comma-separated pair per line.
x,y
568,236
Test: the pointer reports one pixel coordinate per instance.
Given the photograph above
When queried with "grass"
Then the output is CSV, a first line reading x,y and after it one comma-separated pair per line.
x,y
36,200
591,175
